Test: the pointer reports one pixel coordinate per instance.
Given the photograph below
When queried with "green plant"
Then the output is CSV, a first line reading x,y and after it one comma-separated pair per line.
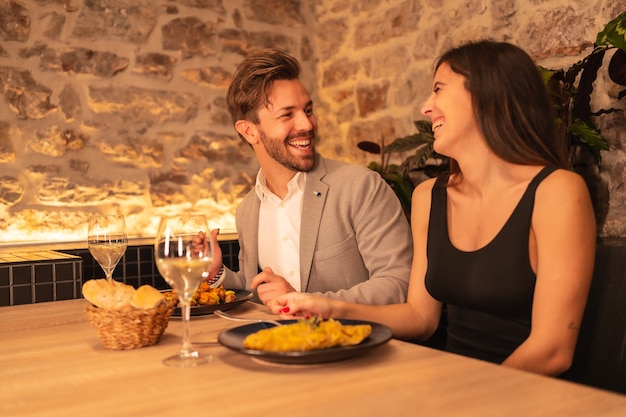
x,y
571,91
422,162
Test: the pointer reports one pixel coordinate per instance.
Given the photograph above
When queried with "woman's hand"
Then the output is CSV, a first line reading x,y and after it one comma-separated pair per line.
x,y
298,304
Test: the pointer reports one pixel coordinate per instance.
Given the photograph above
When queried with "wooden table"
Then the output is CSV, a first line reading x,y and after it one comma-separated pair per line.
x,y
52,364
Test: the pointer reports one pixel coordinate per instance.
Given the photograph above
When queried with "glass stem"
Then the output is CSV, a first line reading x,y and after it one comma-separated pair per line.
x,y
185,309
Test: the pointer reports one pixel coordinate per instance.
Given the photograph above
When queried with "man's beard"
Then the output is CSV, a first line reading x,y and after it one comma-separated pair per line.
x,y
275,148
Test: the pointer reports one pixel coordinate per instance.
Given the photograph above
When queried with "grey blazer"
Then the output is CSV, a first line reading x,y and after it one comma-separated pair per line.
x,y
355,241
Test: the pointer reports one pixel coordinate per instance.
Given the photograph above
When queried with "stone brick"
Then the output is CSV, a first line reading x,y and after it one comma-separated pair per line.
x,y
126,20
62,190
27,98
7,151
191,36
83,61
155,65
385,63
14,21
130,150
213,5
372,130
332,34
227,149
37,49
209,76
56,22
141,105
339,72
371,98
242,42
79,165
11,191
394,23
571,27
44,169
69,102
284,12
55,141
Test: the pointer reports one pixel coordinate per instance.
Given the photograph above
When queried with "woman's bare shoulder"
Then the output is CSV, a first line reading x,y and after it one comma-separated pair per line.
x,y
422,196
423,189
563,182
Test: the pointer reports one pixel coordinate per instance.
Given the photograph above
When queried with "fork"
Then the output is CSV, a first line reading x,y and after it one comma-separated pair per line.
x,y
223,315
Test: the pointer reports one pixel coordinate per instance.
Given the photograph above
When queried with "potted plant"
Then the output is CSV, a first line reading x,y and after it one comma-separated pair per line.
x,y
422,163
571,90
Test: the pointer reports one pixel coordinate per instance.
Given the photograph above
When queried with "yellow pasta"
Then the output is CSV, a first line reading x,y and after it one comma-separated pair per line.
x,y
305,335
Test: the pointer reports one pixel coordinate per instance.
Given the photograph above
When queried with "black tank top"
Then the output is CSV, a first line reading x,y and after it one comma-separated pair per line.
x,y
488,293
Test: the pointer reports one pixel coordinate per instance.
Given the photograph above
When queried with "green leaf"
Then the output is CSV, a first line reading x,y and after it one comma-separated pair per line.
x,y
407,143
588,134
547,74
425,127
614,33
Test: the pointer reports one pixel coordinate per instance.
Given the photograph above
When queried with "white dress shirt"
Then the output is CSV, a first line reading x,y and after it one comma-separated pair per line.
x,y
279,228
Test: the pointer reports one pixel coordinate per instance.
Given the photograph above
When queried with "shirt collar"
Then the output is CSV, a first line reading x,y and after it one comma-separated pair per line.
x,y
296,184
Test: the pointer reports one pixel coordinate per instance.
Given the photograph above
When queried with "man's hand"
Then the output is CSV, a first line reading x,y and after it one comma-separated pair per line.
x,y
201,241
270,285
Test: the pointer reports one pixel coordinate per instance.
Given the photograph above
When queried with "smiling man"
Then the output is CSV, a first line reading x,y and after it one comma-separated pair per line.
x,y
310,224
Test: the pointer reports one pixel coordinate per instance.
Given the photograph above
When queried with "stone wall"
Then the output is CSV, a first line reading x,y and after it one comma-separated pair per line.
x,y
118,105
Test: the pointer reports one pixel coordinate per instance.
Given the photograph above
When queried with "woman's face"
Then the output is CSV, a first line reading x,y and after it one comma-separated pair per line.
x,y
450,109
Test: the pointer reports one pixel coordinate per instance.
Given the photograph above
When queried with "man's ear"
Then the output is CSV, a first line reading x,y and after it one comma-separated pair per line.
x,y
248,130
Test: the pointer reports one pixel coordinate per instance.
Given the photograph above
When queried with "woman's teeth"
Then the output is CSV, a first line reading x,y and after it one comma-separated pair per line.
x,y
437,125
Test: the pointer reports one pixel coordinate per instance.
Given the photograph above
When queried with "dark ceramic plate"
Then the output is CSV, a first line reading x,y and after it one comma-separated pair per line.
x,y
233,339
241,296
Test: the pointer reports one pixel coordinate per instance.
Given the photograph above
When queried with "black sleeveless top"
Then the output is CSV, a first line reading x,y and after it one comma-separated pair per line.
x,y
488,293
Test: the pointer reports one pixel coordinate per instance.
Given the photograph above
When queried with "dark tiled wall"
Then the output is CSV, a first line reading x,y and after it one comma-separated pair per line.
x,y
39,276
137,266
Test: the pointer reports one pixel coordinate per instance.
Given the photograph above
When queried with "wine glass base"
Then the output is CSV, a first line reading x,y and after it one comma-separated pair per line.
x,y
187,360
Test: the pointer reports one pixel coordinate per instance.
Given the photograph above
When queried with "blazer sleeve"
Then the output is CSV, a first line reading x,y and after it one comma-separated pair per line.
x,y
364,249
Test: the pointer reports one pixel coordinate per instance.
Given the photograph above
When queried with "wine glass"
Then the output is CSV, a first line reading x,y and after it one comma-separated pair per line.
x,y
183,256
107,240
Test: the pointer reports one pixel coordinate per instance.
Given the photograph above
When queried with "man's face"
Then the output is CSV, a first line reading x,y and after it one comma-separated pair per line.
x,y
288,126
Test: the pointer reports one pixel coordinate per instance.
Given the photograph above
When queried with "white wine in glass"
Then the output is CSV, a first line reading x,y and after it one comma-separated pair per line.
x,y
183,256
107,241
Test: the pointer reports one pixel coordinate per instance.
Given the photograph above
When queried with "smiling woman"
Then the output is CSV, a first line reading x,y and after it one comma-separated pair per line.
x,y
487,241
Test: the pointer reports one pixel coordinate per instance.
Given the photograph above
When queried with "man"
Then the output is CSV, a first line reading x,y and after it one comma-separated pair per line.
x,y
310,224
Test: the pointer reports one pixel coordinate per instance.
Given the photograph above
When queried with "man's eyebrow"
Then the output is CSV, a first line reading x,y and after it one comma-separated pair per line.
x,y
292,107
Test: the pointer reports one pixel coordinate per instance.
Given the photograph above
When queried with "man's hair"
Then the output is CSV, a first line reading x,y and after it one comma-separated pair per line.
x,y
511,104
253,79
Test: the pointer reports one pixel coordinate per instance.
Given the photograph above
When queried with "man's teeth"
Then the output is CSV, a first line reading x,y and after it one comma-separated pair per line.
x,y
300,142
437,125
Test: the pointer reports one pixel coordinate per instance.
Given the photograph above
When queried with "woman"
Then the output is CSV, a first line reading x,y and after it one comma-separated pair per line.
x,y
506,240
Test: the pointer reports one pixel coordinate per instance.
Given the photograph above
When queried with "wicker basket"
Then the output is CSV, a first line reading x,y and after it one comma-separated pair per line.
x,y
130,328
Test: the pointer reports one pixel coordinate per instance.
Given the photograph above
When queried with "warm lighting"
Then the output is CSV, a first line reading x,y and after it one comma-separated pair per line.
x,y
69,228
